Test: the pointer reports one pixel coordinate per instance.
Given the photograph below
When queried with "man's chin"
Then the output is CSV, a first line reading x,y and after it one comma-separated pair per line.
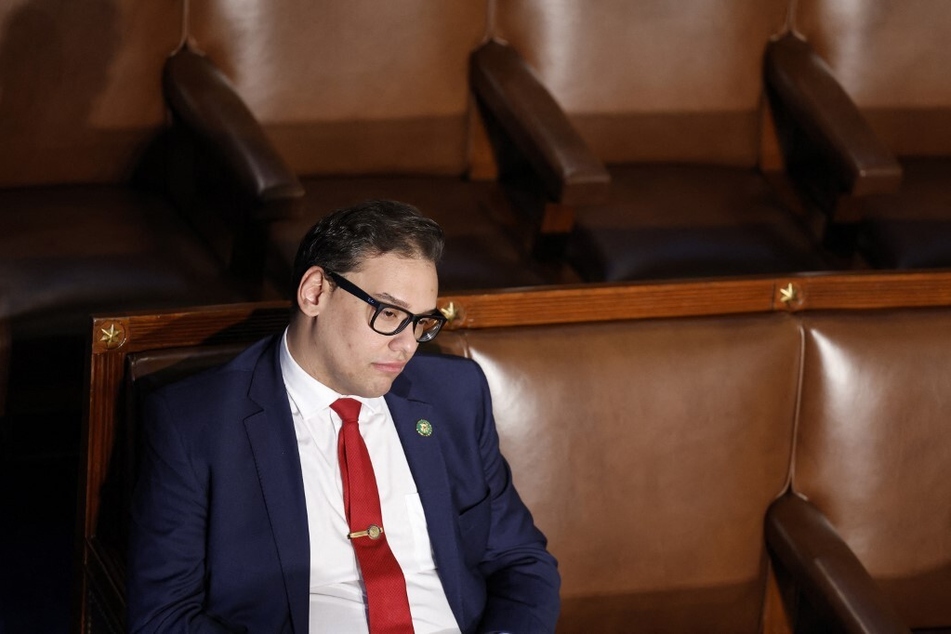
x,y
378,388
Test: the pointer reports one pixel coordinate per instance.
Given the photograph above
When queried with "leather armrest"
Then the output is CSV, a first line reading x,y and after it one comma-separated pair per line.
x,y
203,99
803,541
818,105
568,169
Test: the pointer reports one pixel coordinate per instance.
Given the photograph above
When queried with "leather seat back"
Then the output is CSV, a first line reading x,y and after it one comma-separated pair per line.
x,y
648,452
351,87
651,80
892,57
79,91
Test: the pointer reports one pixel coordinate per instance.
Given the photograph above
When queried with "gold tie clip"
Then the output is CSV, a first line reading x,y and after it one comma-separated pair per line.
x,y
373,532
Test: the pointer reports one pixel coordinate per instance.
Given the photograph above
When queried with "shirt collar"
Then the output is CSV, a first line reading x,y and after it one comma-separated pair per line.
x,y
310,396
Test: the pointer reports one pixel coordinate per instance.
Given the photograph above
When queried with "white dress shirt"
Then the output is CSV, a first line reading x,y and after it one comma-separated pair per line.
x,y
337,594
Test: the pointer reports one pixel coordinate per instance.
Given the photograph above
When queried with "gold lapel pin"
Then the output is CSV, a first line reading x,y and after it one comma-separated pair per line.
x,y
424,427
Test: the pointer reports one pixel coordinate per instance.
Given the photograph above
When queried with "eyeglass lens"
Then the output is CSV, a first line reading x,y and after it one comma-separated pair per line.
x,y
389,320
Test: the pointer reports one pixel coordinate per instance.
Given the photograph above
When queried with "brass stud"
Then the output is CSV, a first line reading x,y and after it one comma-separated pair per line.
x,y
450,312
790,295
113,336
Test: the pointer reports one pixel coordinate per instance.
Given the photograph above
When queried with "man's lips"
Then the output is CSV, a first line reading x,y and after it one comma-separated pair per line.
x,y
391,367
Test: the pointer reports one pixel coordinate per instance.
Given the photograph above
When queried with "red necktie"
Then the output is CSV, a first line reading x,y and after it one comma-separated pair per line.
x,y
386,588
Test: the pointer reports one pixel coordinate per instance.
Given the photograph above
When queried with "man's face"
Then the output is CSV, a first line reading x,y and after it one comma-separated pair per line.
x,y
344,353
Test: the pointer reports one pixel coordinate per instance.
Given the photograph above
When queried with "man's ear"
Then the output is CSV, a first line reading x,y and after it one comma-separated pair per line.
x,y
312,291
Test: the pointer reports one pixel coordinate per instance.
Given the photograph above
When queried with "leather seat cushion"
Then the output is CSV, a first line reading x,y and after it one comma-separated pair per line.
x,y
481,246
68,251
912,228
667,221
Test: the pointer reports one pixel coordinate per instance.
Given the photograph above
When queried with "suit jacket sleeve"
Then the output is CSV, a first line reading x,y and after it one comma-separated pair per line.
x,y
167,542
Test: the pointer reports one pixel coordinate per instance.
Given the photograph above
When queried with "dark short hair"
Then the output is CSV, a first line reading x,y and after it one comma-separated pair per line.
x,y
341,241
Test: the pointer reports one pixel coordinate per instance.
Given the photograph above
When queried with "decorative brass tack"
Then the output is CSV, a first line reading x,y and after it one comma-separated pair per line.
x,y
113,336
789,294
449,312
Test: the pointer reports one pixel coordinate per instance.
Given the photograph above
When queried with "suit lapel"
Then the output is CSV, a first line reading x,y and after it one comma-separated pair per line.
x,y
274,445
428,466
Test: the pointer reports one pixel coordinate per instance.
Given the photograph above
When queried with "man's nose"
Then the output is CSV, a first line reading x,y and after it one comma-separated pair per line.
x,y
405,340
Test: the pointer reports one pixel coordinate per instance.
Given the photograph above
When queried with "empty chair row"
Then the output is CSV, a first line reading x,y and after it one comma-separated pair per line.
x,y
189,147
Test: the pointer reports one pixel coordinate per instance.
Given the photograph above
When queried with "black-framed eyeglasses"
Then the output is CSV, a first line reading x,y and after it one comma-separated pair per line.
x,y
388,319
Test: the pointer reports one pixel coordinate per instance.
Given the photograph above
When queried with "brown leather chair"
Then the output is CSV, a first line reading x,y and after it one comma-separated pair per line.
x,y
362,101
864,541
890,58
670,97
81,118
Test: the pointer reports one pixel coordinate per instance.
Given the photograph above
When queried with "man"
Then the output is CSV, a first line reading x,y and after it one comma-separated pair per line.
x,y
253,510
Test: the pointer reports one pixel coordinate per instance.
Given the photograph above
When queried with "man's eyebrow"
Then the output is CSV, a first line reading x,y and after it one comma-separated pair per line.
x,y
389,299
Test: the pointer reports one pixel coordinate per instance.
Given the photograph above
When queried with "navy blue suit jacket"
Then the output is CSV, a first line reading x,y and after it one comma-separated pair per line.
x,y
219,523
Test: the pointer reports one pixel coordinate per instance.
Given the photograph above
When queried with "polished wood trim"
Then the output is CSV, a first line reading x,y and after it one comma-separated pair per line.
x,y
555,304
104,592
144,331
606,302
875,290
